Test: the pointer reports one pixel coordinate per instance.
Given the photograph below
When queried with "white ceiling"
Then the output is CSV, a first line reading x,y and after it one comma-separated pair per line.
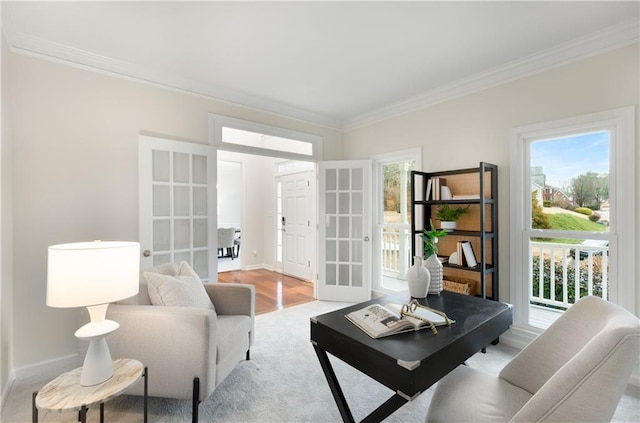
x,y
334,63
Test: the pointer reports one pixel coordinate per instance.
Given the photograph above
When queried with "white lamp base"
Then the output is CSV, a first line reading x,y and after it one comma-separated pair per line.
x,y
97,366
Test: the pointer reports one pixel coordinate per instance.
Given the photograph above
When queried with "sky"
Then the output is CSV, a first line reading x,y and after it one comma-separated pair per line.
x,y
565,158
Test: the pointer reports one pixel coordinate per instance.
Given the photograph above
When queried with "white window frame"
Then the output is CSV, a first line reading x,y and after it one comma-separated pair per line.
x,y
379,161
217,122
621,124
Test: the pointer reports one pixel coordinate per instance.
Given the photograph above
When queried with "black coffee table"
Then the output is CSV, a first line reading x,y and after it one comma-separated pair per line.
x,y
407,363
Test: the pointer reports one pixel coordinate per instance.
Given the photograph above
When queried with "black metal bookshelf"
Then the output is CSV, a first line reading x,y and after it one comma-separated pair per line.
x,y
486,186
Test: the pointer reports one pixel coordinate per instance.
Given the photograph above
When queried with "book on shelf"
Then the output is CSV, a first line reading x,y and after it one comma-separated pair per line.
x,y
436,188
379,321
464,255
427,194
445,193
468,256
465,197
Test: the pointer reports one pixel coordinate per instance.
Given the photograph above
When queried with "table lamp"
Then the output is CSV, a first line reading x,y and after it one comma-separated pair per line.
x,y
92,275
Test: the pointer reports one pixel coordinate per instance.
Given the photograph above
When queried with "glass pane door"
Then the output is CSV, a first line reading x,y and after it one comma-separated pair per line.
x,y
345,231
176,217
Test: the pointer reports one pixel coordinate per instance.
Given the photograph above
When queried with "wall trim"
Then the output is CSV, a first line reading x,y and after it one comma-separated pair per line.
x,y
48,368
611,38
71,56
7,388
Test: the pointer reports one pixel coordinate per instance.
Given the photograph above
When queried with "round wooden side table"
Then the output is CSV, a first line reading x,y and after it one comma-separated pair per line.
x,y
65,393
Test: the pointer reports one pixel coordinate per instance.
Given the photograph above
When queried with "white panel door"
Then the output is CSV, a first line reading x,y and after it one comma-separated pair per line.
x,y
177,204
296,225
344,230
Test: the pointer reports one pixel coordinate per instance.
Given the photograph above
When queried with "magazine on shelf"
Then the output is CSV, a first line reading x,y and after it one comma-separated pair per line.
x,y
378,321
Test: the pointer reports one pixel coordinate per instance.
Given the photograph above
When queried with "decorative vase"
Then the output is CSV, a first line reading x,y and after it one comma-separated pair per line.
x,y
418,279
434,267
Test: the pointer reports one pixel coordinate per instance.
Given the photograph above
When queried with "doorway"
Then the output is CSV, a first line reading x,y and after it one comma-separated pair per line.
x,y
230,190
392,214
250,199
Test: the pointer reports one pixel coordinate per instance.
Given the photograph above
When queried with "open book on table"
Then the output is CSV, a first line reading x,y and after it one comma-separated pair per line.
x,y
378,321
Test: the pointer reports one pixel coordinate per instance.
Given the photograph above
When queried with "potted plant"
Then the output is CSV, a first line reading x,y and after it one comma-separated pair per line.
x,y
430,238
448,216
432,263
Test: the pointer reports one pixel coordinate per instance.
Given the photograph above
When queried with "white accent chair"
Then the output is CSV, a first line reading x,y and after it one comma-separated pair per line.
x,y
575,371
226,238
188,351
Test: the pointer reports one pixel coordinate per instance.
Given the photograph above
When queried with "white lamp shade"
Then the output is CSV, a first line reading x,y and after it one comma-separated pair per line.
x,y
91,273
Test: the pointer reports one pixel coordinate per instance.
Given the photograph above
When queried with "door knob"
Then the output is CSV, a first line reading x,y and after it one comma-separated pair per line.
x,y
146,253
366,239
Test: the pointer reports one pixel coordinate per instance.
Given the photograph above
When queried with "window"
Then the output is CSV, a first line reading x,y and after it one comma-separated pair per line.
x,y
572,215
248,137
569,195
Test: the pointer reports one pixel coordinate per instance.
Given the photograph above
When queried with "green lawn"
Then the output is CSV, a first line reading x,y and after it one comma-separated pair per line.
x,y
567,222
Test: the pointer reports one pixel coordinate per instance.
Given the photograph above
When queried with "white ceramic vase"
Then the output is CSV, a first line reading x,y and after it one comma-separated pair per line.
x,y
436,273
418,279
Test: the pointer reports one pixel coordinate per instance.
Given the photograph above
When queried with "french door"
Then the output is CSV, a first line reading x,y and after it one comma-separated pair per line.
x,y
344,231
177,204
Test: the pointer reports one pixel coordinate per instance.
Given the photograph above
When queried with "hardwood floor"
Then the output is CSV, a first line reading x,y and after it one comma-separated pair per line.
x,y
274,291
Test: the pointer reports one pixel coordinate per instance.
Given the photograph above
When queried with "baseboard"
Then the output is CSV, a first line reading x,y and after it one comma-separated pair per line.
x,y
7,390
47,369
259,267
518,337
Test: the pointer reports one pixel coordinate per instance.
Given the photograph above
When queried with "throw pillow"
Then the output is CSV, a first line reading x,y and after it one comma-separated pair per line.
x,y
183,290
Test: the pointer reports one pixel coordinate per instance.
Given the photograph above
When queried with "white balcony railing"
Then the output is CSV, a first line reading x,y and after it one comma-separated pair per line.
x,y
563,273
554,268
395,252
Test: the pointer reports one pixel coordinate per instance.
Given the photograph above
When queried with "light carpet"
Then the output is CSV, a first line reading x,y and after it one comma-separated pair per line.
x,y
283,382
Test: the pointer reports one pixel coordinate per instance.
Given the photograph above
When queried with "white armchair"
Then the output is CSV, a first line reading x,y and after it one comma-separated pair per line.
x,y
575,371
226,241
188,351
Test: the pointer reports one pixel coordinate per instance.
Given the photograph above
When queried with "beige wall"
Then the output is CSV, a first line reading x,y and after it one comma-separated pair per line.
x,y
462,132
75,176
6,226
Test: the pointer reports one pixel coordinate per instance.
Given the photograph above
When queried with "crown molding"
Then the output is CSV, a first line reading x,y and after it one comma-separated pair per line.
x,y
599,42
29,44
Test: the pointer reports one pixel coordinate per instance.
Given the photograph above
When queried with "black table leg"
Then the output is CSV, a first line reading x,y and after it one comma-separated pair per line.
x,y
83,414
386,409
338,396
102,412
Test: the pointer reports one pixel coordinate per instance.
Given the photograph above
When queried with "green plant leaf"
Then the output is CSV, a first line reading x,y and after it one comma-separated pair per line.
x,y
430,238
